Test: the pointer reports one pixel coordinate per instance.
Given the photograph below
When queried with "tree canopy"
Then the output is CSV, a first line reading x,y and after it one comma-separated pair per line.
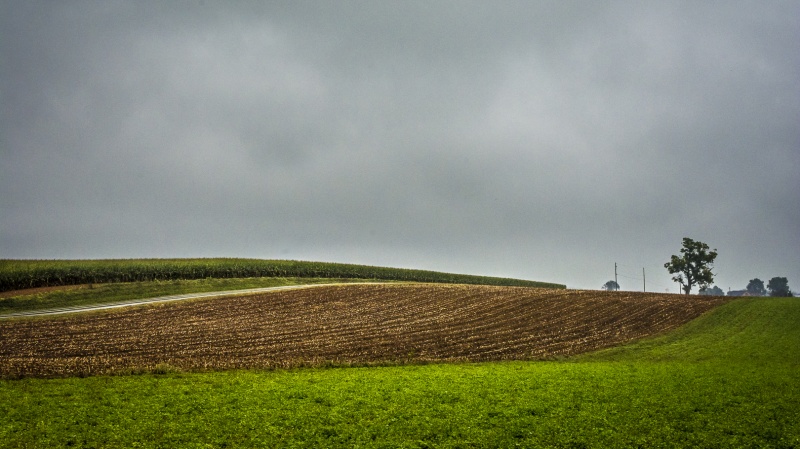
x,y
611,286
694,266
779,287
756,287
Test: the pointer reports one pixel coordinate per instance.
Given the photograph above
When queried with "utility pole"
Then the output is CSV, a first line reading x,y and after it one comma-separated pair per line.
x,y
644,281
615,276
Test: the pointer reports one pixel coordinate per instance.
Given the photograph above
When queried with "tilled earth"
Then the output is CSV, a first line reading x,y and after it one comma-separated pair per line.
x,y
341,325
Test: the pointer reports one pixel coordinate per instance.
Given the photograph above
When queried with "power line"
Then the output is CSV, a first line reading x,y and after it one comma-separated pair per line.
x,y
628,275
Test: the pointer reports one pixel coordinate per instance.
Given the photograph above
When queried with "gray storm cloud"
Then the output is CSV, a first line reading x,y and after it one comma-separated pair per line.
x,y
544,141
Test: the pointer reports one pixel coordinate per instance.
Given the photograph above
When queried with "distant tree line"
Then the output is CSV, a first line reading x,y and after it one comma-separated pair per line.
x,y
777,286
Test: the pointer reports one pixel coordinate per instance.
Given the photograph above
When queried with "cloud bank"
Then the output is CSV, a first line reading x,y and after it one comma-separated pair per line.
x,y
543,141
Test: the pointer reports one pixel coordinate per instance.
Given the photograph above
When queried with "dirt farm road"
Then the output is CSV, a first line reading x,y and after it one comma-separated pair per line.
x,y
136,302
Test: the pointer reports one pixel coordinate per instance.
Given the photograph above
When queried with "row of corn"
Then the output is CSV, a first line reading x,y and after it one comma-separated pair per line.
x,y
22,274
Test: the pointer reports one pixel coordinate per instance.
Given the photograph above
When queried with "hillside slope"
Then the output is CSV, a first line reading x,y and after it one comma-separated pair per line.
x,y
753,331
346,324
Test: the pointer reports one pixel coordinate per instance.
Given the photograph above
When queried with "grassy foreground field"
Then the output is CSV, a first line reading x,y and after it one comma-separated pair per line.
x,y
729,379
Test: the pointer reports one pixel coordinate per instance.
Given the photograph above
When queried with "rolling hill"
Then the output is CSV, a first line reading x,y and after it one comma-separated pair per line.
x,y
342,325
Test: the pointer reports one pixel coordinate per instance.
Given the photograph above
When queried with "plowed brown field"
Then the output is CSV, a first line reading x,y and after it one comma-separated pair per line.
x,y
347,324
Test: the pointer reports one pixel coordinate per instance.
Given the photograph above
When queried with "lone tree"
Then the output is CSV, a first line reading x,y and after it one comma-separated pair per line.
x,y
611,286
779,287
694,267
756,287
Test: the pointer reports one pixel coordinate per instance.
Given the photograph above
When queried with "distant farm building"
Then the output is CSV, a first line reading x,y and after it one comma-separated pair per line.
x,y
740,293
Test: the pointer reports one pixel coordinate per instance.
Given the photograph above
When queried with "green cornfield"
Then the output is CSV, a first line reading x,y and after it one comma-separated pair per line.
x,y
22,274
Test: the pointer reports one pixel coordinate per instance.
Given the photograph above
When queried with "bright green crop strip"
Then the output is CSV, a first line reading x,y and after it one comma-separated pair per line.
x,y
728,380
108,293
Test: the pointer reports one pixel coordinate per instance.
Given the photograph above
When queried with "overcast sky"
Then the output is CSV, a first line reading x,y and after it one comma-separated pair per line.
x,y
543,140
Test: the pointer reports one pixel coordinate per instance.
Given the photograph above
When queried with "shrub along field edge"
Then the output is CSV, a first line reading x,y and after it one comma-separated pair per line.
x,y
25,274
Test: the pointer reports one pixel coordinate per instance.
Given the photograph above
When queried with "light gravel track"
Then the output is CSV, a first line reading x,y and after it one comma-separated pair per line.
x,y
159,299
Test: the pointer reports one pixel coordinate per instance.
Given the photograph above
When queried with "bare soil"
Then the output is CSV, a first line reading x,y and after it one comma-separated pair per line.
x,y
342,325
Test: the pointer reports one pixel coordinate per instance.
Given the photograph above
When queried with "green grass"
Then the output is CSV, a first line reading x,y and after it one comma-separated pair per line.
x,y
731,379
748,331
107,293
